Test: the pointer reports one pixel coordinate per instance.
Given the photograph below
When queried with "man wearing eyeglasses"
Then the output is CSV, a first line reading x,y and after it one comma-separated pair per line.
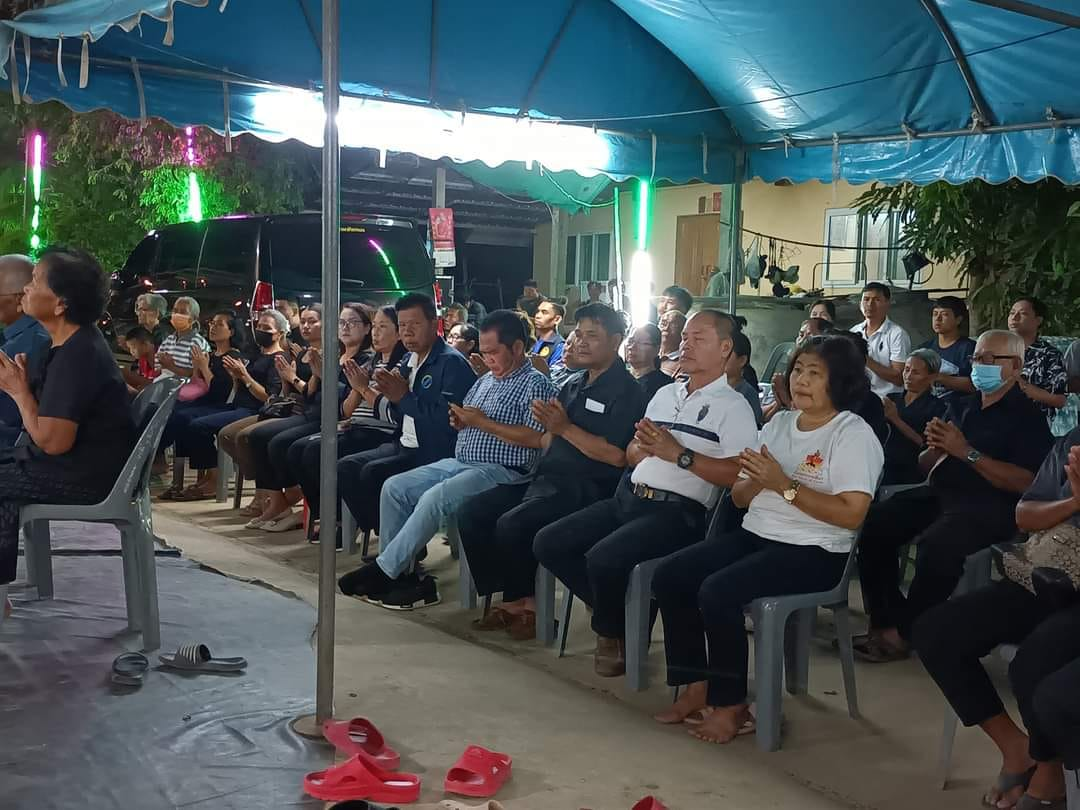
x,y
22,335
979,460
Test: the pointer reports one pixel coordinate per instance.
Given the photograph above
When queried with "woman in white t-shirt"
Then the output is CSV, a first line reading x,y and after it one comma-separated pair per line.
x,y
807,491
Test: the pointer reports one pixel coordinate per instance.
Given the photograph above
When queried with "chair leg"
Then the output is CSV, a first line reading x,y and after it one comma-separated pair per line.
x,y
224,473
487,605
454,537
636,617
3,601
151,621
129,555
768,674
564,628
348,531
178,472
545,606
365,546
466,586
39,558
948,737
238,491
847,658
797,650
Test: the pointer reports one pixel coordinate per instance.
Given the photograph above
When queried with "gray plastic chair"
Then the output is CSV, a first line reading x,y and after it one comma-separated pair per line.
x,y
1072,788
127,507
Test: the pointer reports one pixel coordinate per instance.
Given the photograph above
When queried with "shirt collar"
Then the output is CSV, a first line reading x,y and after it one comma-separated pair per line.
x,y
523,369
23,323
886,325
712,389
553,340
675,355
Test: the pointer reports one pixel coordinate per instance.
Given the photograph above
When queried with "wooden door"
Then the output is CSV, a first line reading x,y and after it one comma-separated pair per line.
x,y
697,250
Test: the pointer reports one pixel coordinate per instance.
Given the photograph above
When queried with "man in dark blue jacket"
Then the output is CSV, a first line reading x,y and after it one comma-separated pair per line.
x,y
431,377
22,335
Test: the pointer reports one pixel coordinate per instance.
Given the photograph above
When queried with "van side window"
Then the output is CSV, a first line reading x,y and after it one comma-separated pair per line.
x,y
228,254
179,256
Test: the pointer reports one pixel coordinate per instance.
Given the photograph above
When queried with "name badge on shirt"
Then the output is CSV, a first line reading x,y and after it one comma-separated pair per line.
x,y
594,406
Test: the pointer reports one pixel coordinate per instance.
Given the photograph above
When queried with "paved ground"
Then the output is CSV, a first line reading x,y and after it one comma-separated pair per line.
x,y
584,742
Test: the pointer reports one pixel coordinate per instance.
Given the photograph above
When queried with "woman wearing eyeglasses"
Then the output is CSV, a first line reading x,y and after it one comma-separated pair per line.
x,y
275,479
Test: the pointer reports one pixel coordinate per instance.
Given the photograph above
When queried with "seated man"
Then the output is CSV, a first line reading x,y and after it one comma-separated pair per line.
x,y
22,335
587,430
684,449
498,443
430,378
979,460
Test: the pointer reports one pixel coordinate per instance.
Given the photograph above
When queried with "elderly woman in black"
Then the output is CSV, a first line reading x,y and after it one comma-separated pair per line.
x,y
74,403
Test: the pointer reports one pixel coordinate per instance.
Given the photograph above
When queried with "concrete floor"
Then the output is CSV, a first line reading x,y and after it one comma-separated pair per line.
x,y
579,741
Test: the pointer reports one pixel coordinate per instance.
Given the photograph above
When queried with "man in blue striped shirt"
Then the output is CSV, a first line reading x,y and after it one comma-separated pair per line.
x,y
498,442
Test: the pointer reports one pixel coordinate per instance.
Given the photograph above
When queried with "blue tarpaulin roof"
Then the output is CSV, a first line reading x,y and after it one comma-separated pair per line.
x,y
673,87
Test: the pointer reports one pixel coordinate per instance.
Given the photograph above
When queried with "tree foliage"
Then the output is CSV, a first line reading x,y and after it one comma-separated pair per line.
x,y
109,180
1010,240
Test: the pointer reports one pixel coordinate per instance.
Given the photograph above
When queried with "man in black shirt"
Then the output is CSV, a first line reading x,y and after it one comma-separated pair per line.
x,y
587,430
980,459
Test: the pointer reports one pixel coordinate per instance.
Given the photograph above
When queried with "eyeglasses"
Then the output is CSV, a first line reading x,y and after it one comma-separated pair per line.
x,y
349,323
988,359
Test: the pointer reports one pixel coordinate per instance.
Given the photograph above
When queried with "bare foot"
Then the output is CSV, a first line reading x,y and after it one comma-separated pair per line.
x,y
722,725
691,700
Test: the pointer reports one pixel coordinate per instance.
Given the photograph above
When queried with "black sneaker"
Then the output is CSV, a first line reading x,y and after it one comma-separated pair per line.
x,y
367,580
411,592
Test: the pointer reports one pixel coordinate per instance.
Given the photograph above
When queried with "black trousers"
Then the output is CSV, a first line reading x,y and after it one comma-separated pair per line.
x,y
23,483
498,527
703,589
594,550
270,441
361,476
952,637
945,535
305,456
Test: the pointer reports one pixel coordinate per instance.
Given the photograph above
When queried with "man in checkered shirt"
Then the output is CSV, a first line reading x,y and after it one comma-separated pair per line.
x,y
498,443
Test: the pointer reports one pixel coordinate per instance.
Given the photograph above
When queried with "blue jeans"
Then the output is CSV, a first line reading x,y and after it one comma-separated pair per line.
x,y
413,505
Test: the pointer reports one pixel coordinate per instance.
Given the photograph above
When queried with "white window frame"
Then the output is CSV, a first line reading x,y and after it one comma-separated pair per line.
x,y
894,269
583,275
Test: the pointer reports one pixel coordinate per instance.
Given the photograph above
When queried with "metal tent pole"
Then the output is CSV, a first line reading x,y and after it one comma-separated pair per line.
x,y
331,276
735,239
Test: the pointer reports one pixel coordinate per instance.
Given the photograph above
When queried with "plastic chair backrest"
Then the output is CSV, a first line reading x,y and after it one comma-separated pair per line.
x,y
849,566
153,395
780,354
136,473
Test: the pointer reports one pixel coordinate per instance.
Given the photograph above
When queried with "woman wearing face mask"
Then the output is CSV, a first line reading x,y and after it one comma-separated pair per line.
x,y
227,335
275,477
369,419
252,384
174,355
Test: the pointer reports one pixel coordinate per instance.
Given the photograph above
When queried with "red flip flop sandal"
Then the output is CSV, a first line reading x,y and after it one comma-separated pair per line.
x,y
649,803
356,778
359,736
479,773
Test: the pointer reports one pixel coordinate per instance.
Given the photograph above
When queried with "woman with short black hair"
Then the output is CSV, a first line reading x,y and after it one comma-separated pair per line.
x,y
73,402
807,490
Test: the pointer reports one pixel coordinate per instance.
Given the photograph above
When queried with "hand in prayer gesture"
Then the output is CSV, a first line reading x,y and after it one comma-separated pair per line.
x,y
552,415
657,441
13,377
763,469
391,384
946,437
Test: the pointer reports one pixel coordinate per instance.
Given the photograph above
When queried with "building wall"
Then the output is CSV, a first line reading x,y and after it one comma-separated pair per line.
x,y
787,212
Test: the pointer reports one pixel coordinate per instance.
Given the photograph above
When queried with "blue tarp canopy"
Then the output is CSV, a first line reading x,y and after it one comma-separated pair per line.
x,y
671,88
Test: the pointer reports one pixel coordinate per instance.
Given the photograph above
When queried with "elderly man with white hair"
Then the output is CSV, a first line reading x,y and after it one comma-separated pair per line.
x,y
979,459
22,335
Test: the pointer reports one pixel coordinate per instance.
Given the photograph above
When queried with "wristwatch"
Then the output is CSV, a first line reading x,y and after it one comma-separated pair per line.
x,y
973,456
685,459
791,491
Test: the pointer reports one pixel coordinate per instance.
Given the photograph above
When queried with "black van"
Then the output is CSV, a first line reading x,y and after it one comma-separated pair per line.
x,y
245,263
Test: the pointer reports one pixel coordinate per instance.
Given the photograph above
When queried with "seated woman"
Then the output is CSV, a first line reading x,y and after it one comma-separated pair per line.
x,y
73,403
808,490
227,334
253,383
174,356
276,480
909,412
738,365
952,638
369,417
643,359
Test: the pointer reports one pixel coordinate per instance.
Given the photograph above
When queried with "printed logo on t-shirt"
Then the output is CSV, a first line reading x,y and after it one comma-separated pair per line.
x,y
425,381
545,350
811,469
703,412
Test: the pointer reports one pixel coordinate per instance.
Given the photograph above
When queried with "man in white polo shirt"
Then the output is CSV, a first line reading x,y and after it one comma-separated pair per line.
x,y
685,449
888,343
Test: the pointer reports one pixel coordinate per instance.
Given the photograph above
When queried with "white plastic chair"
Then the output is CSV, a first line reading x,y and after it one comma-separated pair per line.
x,y
127,507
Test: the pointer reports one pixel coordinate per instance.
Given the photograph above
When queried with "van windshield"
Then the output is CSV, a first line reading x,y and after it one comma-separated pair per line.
x,y
373,258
